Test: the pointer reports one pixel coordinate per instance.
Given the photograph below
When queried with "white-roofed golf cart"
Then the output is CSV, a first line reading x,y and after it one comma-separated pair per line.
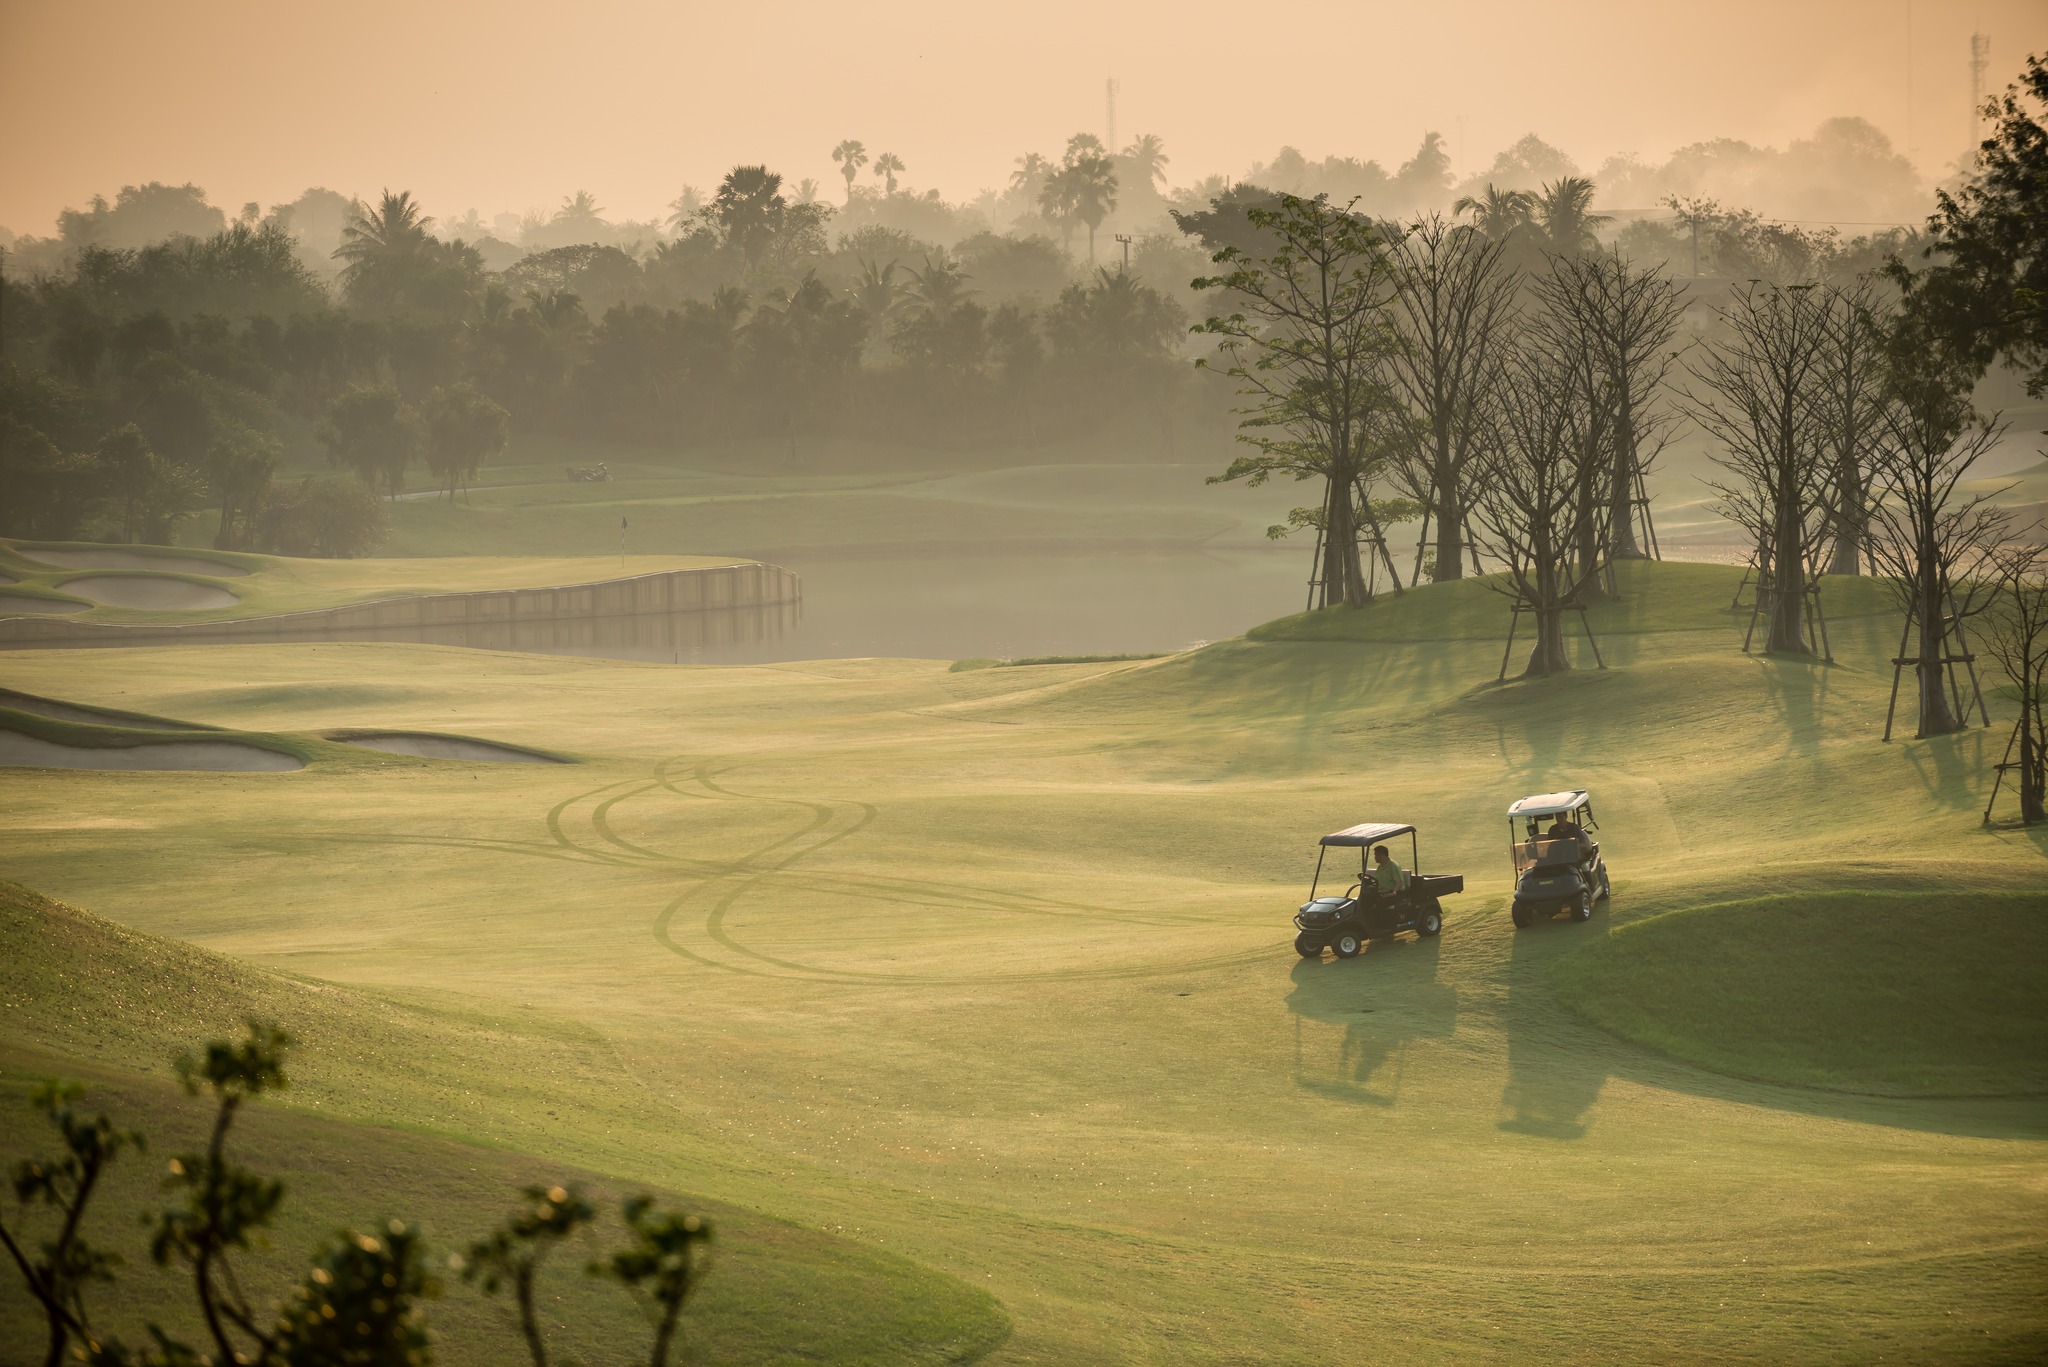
x,y
1363,913
1558,869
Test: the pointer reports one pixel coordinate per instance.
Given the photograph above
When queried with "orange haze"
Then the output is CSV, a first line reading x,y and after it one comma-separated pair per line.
x,y
513,105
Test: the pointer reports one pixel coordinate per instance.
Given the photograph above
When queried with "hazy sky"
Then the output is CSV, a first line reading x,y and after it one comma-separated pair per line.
x,y
513,105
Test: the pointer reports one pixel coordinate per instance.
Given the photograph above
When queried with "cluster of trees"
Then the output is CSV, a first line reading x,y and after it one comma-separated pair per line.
x,y
1514,382
144,384
362,1299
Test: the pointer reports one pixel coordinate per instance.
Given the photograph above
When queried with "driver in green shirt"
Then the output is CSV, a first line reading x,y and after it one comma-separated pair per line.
x,y
1386,874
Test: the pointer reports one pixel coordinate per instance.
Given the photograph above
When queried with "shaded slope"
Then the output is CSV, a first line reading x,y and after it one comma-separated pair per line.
x,y
1923,993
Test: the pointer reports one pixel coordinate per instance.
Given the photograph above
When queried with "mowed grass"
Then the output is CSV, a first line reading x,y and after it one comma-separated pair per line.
x,y
1923,993
991,971
109,1006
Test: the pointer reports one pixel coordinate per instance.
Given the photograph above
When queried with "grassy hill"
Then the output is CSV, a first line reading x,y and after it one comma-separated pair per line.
x,y
990,970
91,1000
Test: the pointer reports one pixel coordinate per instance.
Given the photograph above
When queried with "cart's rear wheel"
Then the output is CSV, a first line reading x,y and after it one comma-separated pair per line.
x,y
1308,946
1432,922
1521,916
1347,944
1582,906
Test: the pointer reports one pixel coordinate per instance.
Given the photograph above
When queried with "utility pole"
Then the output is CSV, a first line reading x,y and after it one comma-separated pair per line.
x,y
1109,112
1125,239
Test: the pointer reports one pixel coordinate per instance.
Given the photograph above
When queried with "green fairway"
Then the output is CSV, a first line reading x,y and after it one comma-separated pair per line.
x,y
987,975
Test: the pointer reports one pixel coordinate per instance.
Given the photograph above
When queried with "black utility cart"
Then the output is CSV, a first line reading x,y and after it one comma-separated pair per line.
x,y
1363,913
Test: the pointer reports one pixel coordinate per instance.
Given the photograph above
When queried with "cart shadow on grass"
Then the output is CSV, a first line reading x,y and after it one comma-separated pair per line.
x,y
1355,1019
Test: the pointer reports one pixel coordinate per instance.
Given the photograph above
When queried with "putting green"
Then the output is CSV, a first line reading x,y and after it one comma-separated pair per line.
x,y
991,970
1906,993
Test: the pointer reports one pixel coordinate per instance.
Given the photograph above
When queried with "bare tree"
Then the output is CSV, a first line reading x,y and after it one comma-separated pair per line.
x,y
1627,317
2018,641
1307,347
1454,296
1853,365
1527,509
1760,393
1929,541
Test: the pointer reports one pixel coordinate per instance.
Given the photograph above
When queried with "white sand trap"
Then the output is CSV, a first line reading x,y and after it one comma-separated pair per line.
x,y
114,558
218,755
149,591
445,747
21,603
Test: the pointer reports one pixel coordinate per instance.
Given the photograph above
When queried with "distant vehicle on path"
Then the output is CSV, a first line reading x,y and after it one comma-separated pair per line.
x,y
588,474
1559,867
1366,911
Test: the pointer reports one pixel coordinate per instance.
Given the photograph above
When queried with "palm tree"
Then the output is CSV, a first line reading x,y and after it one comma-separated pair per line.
x,y
749,207
1147,155
1059,200
683,210
394,230
1094,192
387,249
877,292
886,166
1498,213
1084,145
1563,210
580,210
941,286
1032,170
851,156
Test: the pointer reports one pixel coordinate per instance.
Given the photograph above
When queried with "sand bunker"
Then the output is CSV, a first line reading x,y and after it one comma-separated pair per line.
x,y
110,558
445,747
217,755
148,591
11,603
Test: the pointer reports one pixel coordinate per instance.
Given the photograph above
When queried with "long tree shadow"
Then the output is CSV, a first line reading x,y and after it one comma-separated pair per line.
x,y
1354,1019
1553,1080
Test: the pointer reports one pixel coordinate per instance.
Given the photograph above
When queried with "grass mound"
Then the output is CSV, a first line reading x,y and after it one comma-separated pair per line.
x,y
1896,994
86,998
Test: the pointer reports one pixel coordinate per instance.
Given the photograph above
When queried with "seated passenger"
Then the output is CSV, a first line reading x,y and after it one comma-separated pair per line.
x,y
1386,874
1564,828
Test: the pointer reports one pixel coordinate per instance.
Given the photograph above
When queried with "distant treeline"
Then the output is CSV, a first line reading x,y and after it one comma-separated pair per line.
x,y
149,377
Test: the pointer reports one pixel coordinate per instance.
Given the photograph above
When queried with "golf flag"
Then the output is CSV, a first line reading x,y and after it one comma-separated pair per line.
x,y
622,524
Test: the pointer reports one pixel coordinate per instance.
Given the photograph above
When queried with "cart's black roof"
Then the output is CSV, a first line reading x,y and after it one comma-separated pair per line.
x,y
1368,834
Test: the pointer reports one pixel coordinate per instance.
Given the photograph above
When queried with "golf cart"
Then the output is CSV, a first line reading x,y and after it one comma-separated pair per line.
x,y
1364,913
1557,868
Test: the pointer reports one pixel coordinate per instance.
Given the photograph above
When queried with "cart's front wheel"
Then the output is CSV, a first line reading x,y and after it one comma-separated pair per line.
x,y
1347,945
1308,946
1432,922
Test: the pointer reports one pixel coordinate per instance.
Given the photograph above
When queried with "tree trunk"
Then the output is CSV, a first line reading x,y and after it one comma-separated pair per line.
x,y
1937,717
1788,589
1621,512
1849,521
1588,549
1547,656
2033,762
1450,533
1341,540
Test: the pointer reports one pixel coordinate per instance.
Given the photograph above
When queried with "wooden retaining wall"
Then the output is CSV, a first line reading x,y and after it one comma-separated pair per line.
x,y
670,591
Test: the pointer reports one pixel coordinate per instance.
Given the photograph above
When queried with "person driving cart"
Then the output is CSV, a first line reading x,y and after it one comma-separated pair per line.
x,y
1387,876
